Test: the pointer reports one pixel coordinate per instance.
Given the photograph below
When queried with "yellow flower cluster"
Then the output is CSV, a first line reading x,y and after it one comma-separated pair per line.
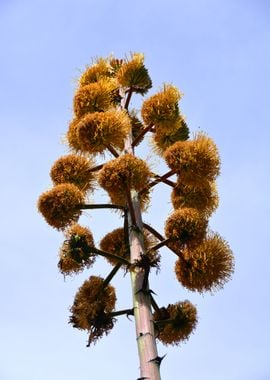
x,y
206,267
74,169
123,174
175,323
60,205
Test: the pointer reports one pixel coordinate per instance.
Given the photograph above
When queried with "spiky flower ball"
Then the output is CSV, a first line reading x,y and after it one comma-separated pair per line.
x,y
72,137
94,97
73,169
186,226
165,137
92,306
203,197
95,131
115,242
194,160
60,205
207,267
162,108
122,174
99,70
133,74
76,253
175,323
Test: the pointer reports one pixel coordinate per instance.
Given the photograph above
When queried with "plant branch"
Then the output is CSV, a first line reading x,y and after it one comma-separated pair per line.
x,y
113,272
167,242
159,245
159,179
140,135
96,168
109,255
153,303
122,312
105,205
128,98
112,150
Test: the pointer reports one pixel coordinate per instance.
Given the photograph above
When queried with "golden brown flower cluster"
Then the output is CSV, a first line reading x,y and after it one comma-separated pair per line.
x,y
123,174
76,253
175,323
206,267
74,169
117,243
92,306
60,205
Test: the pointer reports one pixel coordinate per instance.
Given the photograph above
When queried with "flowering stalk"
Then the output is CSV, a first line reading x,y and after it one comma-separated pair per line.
x,y
145,333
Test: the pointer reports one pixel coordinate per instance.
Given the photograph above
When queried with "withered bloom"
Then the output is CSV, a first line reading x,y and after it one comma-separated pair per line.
x,y
92,306
76,253
175,323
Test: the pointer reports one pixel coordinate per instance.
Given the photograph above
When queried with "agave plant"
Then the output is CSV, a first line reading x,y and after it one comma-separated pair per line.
x,y
103,122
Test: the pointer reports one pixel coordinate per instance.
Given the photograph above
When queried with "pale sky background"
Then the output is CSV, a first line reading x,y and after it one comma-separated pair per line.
x,y
218,53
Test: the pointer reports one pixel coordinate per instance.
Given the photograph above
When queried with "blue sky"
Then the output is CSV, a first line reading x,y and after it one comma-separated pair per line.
x,y
217,53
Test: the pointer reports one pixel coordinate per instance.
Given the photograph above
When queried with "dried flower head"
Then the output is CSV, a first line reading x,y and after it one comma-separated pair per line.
x,y
95,131
92,306
186,226
165,137
194,159
94,97
133,74
60,205
73,169
162,107
116,243
175,323
100,69
76,253
72,137
122,174
207,267
203,196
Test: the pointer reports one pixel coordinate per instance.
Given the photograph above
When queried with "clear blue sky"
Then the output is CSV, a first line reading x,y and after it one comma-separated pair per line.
x,y
217,52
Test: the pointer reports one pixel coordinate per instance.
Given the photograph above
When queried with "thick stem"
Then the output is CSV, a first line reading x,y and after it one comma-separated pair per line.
x,y
147,349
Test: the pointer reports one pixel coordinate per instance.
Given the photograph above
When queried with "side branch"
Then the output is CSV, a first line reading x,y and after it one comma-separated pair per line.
x,y
158,179
109,255
167,242
140,135
110,276
128,98
105,205
112,150
96,168
126,312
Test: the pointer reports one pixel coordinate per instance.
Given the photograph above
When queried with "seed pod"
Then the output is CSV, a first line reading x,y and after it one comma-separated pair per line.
x,y
162,108
133,74
207,267
60,205
203,196
76,253
186,226
194,160
73,169
175,323
92,306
